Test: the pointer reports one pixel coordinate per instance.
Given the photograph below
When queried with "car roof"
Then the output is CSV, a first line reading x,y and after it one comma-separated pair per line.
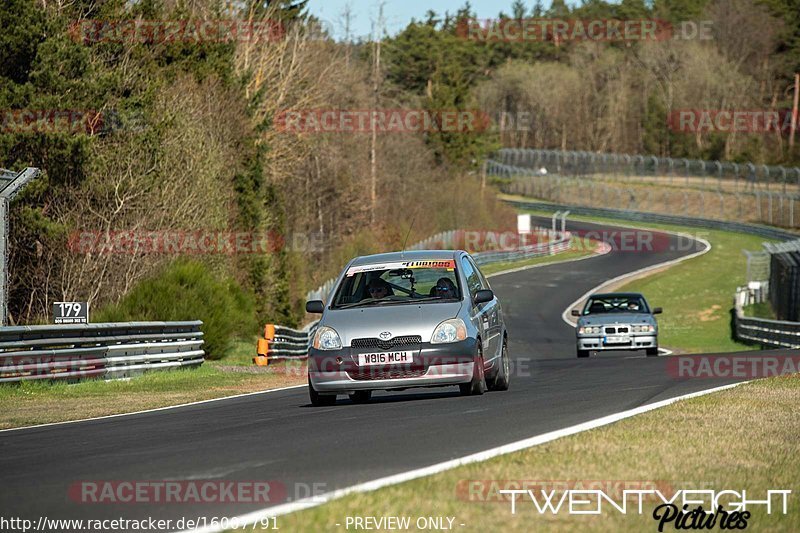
x,y
408,255
618,295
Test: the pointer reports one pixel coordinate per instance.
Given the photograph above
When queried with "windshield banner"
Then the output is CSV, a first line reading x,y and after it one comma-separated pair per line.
x,y
449,264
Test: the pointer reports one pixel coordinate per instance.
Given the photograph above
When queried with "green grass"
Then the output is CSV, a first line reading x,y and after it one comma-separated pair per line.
x,y
760,310
744,438
696,295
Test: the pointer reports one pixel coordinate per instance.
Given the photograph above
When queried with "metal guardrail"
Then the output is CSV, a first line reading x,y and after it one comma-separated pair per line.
x,y
282,342
709,189
716,174
766,332
112,350
640,216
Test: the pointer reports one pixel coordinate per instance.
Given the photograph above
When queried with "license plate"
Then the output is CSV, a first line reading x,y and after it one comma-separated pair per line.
x,y
385,358
618,339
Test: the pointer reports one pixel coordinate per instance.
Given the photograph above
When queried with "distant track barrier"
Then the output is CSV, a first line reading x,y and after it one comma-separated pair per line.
x,y
763,331
112,350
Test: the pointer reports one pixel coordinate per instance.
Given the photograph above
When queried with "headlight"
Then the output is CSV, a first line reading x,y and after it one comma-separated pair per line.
x,y
449,331
588,330
643,329
327,339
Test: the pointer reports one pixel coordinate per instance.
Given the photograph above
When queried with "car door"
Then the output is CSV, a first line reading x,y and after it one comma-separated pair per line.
x,y
479,314
495,314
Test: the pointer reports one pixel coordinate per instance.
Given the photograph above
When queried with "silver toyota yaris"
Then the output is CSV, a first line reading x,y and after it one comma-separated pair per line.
x,y
408,319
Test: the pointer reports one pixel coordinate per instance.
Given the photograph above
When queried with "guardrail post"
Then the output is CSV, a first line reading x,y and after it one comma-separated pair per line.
x,y
10,188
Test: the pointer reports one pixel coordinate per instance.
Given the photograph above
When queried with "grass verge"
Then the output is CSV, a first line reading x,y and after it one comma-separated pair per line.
x,y
31,403
750,442
696,295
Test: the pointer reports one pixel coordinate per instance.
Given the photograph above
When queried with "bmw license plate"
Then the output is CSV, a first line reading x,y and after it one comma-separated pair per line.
x,y
385,358
618,339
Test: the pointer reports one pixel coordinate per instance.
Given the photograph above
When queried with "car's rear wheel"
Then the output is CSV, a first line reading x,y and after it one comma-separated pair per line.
x,y
361,396
652,352
320,400
500,381
477,386
583,353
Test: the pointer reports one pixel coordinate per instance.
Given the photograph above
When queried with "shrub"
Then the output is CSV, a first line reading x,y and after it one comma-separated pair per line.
x,y
188,290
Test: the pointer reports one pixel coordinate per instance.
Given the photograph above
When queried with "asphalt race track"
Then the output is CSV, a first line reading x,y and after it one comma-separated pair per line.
x,y
280,437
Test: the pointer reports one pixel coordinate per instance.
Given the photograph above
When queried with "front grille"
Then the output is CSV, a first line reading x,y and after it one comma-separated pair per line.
x,y
407,340
611,330
375,373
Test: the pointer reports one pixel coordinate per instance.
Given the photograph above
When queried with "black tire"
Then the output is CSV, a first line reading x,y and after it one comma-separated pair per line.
x,y
652,352
361,396
501,379
320,400
477,386
583,353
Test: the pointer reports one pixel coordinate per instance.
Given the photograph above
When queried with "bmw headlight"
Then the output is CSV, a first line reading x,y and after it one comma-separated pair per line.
x,y
327,339
449,331
588,330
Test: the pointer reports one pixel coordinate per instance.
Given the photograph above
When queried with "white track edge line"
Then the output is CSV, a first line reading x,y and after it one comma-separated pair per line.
x,y
644,270
153,410
306,503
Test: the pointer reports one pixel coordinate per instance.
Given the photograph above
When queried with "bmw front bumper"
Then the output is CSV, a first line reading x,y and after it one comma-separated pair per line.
x,y
637,342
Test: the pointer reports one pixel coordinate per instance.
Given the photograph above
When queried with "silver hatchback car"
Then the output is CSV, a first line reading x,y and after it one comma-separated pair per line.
x,y
408,319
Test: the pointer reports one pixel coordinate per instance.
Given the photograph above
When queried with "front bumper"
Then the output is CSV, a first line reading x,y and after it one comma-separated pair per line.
x,y
434,365
637,342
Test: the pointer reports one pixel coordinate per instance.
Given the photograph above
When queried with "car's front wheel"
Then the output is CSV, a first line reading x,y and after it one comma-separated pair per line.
x,y
501,380
361,396
652,352
320,400
583,353
477,386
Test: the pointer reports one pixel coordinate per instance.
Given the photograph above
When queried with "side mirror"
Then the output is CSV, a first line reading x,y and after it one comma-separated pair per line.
x,y
483,296
657,310
315,306
576,312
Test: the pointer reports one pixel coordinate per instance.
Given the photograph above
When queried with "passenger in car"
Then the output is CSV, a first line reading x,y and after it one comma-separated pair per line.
x,y
444,288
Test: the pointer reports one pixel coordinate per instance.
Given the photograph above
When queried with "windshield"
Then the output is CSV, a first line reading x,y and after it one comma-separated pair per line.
x,y
397,283
615,304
